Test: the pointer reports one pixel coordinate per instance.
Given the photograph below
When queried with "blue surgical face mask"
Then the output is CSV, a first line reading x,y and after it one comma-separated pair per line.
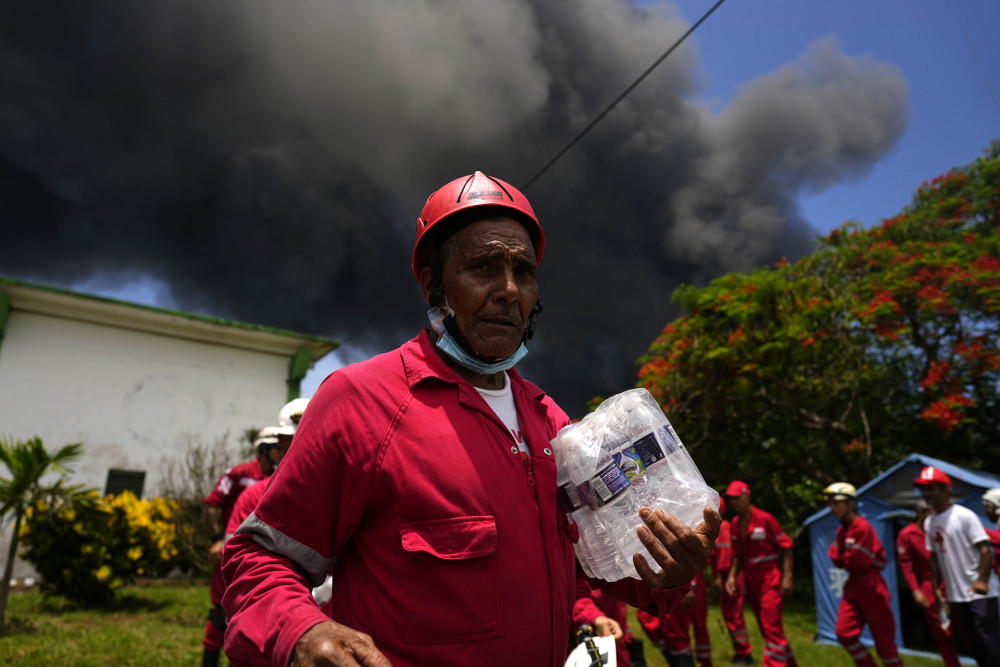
x,y
449,346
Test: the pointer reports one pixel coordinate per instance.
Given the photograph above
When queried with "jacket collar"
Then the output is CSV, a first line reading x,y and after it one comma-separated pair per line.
x,y
421,362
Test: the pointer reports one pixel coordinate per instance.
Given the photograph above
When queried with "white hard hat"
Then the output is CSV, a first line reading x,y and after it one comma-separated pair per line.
x,y
841,491
288,418
992,497
266,438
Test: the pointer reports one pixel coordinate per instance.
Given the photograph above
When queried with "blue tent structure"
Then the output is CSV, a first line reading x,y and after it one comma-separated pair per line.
x,y
888,503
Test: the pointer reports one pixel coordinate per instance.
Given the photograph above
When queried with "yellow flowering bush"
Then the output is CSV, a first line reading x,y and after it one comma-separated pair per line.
x,y
85,554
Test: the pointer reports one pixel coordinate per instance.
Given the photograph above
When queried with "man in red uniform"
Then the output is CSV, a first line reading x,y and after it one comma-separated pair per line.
x,y
426,478
866,600
218,508
731,606
671,632
759,544
915,562
699,621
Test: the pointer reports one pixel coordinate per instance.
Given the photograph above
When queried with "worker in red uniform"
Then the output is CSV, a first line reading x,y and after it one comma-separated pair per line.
x,y
218,508
731,606
699,621
671,632
425,477
866,599
915,562
759,545
608,616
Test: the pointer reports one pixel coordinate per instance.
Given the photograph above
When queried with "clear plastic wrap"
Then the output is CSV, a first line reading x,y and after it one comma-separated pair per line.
x,y
623,456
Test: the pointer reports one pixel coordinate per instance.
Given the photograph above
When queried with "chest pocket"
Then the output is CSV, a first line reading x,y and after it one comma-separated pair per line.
x,y
450,580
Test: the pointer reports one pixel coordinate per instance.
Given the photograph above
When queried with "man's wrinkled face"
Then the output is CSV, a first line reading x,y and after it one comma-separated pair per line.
x,y
992,511
491,280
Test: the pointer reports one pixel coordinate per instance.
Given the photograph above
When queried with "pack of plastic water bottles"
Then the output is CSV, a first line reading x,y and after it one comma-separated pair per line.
x,y
619,458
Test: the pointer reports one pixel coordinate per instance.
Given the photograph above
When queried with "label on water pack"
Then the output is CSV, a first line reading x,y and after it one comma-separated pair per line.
x,y
570,497
609,484
644,452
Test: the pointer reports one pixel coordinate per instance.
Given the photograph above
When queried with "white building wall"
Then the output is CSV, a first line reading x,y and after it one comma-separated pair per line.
x,y
133,399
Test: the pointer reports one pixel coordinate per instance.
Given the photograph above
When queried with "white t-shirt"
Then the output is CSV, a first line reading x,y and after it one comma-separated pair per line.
x,y
952,536
502,403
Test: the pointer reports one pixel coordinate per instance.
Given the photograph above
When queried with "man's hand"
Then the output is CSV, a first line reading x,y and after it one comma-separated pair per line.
x,y
688,599
787,587
980,588
921,599
215,553
605,625
330,644
717,583
731,584
679,550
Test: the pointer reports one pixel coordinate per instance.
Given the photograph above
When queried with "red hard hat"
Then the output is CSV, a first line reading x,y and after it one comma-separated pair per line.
x,y
476,189
931,475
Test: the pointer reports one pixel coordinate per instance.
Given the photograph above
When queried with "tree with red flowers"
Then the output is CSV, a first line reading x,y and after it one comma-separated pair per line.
x,y
885,341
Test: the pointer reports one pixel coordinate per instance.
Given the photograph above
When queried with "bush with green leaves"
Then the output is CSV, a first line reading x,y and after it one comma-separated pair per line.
x,y
87,553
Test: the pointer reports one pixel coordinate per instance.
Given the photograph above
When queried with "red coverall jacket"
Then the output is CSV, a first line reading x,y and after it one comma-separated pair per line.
x,y
232,483
914,559
759,546
858,550
450,546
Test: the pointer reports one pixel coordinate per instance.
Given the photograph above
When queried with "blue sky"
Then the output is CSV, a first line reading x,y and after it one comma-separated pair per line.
x,y
953,112
948,53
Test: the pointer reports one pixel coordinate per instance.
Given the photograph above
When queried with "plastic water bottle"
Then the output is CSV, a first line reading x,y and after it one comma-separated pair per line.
x,y
599,539
571,503
618,458
944,618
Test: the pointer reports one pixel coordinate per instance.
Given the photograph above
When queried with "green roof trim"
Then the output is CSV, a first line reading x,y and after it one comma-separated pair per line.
x,y
298,366
167,311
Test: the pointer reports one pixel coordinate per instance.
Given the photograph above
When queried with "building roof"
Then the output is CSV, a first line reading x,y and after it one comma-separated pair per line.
x,y
40,299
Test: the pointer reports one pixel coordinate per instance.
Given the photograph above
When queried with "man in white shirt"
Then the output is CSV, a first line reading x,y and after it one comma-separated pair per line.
x,y
962,556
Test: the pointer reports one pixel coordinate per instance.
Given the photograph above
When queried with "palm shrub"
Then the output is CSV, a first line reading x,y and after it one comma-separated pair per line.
x,y
28,465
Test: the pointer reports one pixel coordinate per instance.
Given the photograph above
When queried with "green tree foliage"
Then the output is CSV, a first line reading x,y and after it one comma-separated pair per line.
x,y
28,464
881,343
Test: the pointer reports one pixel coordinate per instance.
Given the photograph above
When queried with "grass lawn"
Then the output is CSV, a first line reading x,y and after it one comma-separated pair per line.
x,y
800,628
154,625
163,625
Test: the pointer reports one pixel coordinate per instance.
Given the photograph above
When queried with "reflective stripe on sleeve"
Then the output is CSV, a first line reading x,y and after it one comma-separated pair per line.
x,y
316,567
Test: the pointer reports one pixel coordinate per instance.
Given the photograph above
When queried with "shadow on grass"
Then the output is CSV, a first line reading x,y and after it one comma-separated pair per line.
x,y
124,603
18,626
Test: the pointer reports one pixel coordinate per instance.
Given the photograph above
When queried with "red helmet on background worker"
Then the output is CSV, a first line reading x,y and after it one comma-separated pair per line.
x,y
468,192
932,475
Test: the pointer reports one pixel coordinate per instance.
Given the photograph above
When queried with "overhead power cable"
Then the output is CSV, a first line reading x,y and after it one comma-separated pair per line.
x,y
618,99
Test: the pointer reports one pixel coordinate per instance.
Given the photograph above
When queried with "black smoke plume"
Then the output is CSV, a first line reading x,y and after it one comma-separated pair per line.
x,y
267,160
